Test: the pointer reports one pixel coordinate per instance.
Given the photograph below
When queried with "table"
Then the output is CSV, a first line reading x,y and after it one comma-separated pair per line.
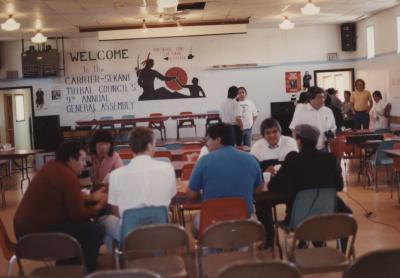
x,y
21,155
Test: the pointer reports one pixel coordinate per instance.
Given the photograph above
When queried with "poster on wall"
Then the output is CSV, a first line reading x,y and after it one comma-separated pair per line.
x,y
293,81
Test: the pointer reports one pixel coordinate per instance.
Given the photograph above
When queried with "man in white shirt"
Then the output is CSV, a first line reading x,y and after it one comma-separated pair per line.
x,y
231,113
249,115
316,114
144,182
271,149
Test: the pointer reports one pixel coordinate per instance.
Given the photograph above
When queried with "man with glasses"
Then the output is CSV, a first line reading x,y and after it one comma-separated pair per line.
x,y
270,151
316,114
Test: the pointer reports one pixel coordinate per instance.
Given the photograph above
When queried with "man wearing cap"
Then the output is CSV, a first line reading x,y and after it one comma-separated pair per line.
x,y
309,168
316,114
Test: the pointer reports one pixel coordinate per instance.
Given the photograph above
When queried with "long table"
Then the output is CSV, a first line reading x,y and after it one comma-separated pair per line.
x,y
22,156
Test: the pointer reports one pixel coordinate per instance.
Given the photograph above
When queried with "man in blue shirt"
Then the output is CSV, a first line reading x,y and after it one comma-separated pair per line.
x,y
225,171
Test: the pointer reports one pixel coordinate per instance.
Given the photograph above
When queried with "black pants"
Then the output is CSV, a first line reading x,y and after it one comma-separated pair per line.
x,y
237,133
361,119
90,236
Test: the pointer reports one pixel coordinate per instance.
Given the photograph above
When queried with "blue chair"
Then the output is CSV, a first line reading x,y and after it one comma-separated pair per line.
x,y
173,146
160,149
380,160
307,203
132,125
134,218
106,126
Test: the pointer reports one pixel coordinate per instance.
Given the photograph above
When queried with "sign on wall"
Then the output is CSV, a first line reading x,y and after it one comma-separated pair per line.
x,y
293,81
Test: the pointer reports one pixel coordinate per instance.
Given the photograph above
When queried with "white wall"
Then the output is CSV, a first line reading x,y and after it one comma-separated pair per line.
x,y
302,49
382,72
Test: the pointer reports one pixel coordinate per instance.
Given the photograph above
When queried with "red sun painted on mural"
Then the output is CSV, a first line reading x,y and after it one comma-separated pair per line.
x,y
181,78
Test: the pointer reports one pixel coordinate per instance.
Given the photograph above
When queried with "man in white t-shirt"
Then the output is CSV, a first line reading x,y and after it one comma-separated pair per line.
x,y
249,115
316,114
144,182
231,113
270,150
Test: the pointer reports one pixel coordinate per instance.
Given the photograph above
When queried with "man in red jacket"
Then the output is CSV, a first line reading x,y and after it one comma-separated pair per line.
x,y
54,203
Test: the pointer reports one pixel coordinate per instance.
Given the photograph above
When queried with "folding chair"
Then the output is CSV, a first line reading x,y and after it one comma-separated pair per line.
x,y
163,154
376,264
157,248
134,218
158,124
307,203
7,247
324,228
50,247
235,240
259,269
131,273
187,123
210,121
106,126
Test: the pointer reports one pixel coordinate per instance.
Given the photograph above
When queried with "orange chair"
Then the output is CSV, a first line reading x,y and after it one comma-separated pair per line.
x,y
190,156
126,155
163,154
8,248
216,210
158,124
188,123
192,146
185,176
396,146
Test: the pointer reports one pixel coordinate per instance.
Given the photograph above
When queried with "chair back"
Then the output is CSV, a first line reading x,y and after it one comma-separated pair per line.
x,y
130,125
156,237
106,126
6,245
216,210
156,123
381,157
173,146
48,247
186,173
232,234
160,149
380,263
258,269
311,202
163,154
131,273
325,228
122,148
186,122
133,218
396,146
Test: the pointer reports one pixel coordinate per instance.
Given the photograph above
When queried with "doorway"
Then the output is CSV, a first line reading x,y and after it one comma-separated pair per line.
x,y
15,118
339,79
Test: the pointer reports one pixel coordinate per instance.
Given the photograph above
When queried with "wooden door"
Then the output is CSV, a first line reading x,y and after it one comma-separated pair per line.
x,y
9,119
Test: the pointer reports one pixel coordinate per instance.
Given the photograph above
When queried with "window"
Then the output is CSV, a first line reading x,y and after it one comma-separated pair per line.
x,y
19,108
398,33
370,42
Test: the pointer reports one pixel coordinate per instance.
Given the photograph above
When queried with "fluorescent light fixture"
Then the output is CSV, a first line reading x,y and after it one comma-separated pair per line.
x,y
39,38
166,4
286,24
10,24
310,9
164,32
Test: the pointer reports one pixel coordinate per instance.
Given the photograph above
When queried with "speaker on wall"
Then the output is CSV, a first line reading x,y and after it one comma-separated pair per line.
x,y
47,132
348,36
283,113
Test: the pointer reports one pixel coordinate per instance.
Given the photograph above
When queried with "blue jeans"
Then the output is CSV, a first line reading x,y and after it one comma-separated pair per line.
x,y
246,137
361,119
112,225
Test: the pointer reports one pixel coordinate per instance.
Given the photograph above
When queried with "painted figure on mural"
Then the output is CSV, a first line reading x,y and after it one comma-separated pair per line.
x,y
194,89
39,99
306,80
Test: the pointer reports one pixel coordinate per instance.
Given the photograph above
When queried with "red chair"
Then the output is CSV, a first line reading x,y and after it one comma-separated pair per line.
x,y
396,146
216,210
190,155
188,123
158,124
163,154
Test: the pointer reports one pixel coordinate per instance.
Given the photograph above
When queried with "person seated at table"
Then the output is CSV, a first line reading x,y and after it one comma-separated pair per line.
x,y
104,159
225,171
53,202
270,151
309,168
144,182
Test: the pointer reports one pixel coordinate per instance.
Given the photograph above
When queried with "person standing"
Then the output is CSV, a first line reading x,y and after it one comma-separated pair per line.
x,y
231,114
249,115
316,114
361,101
380,111
347,110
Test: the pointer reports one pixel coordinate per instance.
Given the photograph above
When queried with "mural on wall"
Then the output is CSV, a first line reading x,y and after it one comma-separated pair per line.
x,y
175,79
293,81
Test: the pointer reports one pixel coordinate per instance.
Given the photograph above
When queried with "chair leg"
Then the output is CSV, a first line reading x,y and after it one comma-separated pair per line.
x,y
195,131
376,178
10,265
